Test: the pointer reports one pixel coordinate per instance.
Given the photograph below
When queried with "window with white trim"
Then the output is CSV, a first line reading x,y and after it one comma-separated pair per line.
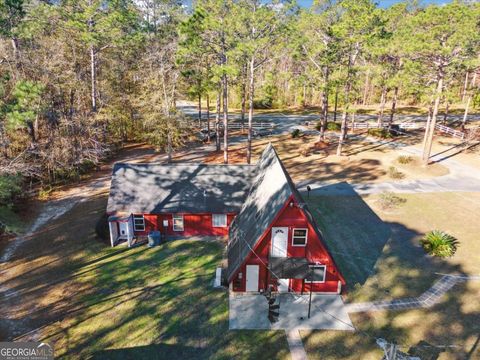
x,y
219,220
317,274
138,223
177,222
299,237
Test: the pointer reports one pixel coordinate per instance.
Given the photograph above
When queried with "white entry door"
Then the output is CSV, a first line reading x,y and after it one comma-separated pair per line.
x,y
283,285
279,241
252,278
123,229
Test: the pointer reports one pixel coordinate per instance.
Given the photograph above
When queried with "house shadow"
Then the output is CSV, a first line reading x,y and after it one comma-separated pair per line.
x,y
353,232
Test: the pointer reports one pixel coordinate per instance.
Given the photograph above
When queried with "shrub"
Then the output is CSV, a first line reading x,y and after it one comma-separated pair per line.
x,y
10,188
389,200
295,133
439,243
86,166
332,126
394,173
45,192
102,228
404,159
380,133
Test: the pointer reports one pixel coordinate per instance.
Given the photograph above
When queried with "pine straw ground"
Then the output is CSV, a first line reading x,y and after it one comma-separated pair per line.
x,y
361,162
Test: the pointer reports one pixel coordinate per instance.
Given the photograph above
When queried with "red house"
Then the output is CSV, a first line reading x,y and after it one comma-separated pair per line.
x,y
273,240
178,200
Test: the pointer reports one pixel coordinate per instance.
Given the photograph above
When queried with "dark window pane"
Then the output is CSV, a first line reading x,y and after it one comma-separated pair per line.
x,y
299,241
317,273
300,232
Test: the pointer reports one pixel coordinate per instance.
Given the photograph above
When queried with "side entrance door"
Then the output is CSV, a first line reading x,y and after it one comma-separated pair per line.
x,y
123,229
279,241
252,278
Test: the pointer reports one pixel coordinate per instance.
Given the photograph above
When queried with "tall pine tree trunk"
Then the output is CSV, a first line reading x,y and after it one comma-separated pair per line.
x,y
217,121
169,147
93,78
323,125
343,130
428,147
225,117
366,87
382,107
465,86
199,109
427,126
208,117
469,100
394,105
348,88
251,95
243,91
445,114
335,107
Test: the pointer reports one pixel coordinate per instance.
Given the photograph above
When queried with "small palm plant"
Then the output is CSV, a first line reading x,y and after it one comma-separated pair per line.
x,y
439,243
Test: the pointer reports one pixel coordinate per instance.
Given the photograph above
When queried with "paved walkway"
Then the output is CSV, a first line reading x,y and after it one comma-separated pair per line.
x,y
249,312
297,351
427,299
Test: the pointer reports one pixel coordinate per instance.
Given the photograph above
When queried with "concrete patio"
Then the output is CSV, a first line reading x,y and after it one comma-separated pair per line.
x,y
328,312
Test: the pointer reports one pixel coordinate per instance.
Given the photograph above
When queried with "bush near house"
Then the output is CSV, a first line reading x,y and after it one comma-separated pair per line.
x,y
380,133
394,173
332,126
389,200
404,159
10,187
439,243
295,133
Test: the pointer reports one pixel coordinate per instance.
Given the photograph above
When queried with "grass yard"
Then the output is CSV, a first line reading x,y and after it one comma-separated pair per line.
x,y
379,254
92,301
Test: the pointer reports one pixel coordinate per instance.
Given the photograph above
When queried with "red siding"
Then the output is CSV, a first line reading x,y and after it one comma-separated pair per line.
x,y
292,217
193,224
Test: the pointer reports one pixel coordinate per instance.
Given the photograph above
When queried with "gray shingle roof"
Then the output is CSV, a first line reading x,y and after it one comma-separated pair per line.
x,y
178,188
270,190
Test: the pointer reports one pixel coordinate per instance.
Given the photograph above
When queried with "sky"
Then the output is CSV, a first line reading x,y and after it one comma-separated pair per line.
x,y
382,3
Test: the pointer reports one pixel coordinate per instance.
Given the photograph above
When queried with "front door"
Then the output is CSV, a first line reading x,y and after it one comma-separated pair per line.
x,y
252,278
123,229
279,241
283,285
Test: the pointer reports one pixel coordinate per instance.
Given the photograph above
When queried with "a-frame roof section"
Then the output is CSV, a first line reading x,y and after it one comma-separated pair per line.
x,y
272,187
269,192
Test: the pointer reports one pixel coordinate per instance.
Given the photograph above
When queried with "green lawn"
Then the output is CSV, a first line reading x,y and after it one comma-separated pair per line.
x,y
159,303
379,254
93,301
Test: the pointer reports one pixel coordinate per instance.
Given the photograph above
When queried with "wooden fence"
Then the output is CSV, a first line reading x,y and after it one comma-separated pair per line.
x,y
410,125
238,126
366,125
449,131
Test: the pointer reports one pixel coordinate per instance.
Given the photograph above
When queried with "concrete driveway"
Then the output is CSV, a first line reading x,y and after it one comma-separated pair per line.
x,y
250,311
